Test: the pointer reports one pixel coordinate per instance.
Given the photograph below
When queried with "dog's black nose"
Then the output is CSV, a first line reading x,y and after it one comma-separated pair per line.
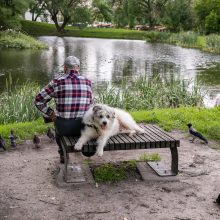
x,y
104,123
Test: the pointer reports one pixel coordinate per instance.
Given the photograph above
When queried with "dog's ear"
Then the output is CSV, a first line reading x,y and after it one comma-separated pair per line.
x,y
96,108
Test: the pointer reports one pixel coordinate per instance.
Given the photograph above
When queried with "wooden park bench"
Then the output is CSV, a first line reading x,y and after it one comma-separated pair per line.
x,y
154,137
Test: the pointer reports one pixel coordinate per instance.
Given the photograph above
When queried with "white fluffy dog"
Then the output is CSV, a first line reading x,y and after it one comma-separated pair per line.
x,y
102,122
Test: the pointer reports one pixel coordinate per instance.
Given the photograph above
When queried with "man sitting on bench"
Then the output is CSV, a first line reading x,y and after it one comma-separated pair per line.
x,y
72,94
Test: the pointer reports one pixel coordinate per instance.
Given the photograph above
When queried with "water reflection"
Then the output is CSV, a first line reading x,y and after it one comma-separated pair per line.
x,y
106,60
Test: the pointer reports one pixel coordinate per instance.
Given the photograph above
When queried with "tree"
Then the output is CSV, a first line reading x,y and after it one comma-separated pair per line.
x,y
64,9
11,12
126,12
208,14
152,10
179,15
101,10
81,17
37,8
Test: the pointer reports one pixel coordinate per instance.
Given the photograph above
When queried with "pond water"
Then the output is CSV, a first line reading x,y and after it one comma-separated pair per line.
x,y
108,60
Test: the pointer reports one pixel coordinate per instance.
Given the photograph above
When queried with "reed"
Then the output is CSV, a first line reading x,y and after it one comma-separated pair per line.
x,y
210,43
17,105
150,93
213,43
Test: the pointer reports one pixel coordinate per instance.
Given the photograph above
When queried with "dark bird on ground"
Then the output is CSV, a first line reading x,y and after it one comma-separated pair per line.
x,y
51,134
218,199
2,143
13,138
196,134
36,141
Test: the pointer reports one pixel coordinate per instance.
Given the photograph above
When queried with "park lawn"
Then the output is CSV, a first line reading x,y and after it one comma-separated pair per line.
x,y
45,29
207,121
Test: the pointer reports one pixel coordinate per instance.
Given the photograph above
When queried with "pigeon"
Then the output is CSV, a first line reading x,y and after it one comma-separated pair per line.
x,y
51,134
196,134
2,143
13,138
36,141
218,199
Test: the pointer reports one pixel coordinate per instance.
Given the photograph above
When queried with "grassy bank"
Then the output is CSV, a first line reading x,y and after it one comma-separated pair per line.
x,y
207,121
14,39
42,29
210,43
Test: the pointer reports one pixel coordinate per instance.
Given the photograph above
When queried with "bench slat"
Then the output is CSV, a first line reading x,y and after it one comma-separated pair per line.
x,y
153,138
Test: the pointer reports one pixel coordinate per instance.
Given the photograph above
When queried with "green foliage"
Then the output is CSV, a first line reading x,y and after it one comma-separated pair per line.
x,y
208,43
18,105
178,15
114,172
11,12
212,23
16,39
213,43
150,93
208,14
101,10
150,157
81,17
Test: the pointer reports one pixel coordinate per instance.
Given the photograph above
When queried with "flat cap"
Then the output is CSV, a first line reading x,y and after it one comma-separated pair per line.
x,y
71,61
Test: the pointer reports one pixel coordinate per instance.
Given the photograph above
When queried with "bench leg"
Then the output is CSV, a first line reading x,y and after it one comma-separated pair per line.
x,y
65,162
174,160
162,170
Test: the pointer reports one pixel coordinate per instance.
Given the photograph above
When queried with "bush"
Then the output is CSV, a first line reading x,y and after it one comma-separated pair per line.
x,y
16,39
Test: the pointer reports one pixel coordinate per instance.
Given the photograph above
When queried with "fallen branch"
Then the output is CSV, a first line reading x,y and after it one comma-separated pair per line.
x,y
52,203
11,197
97,212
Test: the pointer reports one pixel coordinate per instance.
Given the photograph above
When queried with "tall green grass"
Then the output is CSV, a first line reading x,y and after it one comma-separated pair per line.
x,y
16,39
150,93
210,43
17,105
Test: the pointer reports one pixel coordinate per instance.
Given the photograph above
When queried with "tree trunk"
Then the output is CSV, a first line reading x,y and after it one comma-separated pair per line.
x,y
32,16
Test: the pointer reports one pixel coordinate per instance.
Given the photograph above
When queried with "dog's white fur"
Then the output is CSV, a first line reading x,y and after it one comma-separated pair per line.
x,y
102,122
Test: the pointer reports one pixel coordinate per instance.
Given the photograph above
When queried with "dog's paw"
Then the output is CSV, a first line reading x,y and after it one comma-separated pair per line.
x,y
141,131
78,146
131,133
100,153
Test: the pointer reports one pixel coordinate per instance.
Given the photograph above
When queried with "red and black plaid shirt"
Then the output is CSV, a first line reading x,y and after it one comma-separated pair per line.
x,y
72,94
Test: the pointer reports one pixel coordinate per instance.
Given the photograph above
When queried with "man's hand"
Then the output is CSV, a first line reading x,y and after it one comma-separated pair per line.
x,y
53,116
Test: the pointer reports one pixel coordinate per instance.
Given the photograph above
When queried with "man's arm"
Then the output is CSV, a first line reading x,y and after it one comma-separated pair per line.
x,y
44,97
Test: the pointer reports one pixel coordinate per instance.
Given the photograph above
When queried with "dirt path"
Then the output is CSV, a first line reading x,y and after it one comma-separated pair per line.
x,y
28,190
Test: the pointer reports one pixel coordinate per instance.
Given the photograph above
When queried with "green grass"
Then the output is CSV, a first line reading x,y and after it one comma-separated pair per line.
x,y
14,39
114,172
149,93
42,29
150,157
24,130
207,121
17,105
209,43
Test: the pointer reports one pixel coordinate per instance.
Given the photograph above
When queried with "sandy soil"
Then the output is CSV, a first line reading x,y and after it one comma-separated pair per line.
x,y
28,189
